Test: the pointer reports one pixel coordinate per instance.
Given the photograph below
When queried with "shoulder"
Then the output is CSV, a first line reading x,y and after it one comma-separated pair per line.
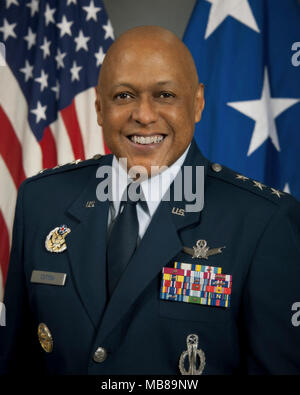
x,y
247,188
67,179
74,167
59,186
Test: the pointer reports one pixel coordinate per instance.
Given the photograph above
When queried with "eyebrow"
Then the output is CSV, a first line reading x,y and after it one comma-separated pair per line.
x,y
160,83
165,82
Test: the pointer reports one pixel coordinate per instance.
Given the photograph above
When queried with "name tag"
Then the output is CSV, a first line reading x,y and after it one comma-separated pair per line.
x,y
51,278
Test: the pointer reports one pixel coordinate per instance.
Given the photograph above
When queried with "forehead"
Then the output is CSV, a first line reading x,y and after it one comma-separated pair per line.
x,y
146,62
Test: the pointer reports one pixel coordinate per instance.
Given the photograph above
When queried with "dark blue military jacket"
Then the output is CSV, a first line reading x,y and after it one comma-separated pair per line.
x,y
141,333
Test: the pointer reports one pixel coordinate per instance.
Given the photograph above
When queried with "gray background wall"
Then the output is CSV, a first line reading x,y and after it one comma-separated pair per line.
x,y
171,14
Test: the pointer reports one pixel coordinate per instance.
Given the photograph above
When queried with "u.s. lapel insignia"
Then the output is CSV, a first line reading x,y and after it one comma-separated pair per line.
x,y
90,203
202,251
192,352
55,241
178,211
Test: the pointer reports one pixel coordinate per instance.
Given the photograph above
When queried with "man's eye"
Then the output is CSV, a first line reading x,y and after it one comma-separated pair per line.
x,y
166,95
123,95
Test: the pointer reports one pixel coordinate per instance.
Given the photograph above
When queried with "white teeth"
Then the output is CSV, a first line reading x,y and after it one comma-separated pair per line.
x,y
147,140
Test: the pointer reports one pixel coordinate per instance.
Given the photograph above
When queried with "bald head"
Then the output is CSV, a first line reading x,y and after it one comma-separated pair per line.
x,y
150,39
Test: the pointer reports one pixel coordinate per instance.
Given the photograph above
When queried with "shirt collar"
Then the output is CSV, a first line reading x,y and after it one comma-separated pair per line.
x,y
153,188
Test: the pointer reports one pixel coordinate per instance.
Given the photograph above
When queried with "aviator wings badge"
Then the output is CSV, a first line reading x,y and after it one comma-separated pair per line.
x,y
55,241
201,251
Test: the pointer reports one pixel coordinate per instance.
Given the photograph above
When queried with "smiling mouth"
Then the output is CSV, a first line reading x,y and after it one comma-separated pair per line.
x,y
146,140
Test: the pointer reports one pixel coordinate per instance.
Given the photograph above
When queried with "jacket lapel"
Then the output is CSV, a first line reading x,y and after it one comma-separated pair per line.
x,y
87,247
160,244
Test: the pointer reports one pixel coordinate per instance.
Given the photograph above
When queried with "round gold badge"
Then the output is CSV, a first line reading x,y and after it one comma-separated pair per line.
x,y
56,239
45,337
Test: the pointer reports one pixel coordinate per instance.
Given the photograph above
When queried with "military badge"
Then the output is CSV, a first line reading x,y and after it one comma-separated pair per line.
x,y
241,177
192,352
201,250
90,203
45,338
200,284
55,241
276,192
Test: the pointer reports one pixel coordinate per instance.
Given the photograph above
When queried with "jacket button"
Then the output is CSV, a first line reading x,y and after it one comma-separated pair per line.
x,y
216,167
100,355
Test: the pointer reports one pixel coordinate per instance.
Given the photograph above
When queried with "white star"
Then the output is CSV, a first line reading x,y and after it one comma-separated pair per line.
x,y
30,38
46,48
81,41
8,29
10,2
56,89
43,80
34,7
75,71
287,188
91,11
49,14
100,55
40,112
65,26
27,70
71,1
59,59
238,9
109,32
263,112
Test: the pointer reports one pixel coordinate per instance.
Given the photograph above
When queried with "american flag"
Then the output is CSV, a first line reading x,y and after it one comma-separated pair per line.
x,y
248,56
54,50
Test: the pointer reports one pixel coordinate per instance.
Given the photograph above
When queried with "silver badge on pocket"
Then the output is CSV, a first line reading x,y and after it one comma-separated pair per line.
x,y
192,352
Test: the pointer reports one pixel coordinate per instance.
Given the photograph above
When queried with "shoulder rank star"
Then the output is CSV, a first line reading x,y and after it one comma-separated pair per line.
x,y
55,241
276,192
202,251
241,177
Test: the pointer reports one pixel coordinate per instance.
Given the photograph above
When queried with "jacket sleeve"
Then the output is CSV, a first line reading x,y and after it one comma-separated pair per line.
x,y
273,286
18,339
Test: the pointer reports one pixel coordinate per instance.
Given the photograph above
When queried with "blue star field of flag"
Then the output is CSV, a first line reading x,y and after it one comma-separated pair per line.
x,y
244,53
55,49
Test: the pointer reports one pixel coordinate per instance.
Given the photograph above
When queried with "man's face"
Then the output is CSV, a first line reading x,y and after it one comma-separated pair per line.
x,y
148,106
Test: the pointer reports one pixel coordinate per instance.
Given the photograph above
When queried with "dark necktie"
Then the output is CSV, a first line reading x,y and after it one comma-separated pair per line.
x,y
122,242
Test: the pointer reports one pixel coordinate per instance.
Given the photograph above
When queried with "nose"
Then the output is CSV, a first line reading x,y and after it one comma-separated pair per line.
x,y
144,112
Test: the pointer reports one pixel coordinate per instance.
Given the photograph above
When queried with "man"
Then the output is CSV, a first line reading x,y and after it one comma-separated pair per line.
x,y
68,312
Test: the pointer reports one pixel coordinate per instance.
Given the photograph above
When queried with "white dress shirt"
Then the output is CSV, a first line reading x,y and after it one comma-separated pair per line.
x,y
153,189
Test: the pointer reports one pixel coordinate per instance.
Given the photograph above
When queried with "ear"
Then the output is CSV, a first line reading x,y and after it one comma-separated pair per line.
x,y
98,108
199,102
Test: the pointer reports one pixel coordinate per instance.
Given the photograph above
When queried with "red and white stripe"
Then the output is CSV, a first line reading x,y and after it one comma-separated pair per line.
x,y
75,134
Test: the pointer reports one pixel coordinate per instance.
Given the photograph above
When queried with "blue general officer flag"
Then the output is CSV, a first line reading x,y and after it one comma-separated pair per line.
x,y
247,55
